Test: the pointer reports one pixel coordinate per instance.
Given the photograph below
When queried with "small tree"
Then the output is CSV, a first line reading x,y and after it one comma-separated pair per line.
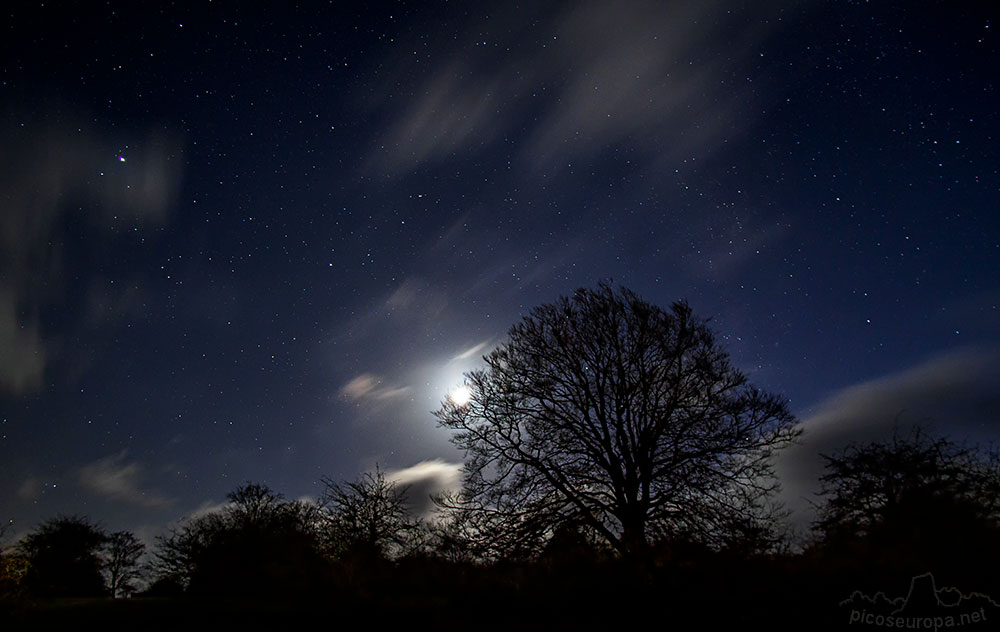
x,y
368,517
64,558
910,479
121,567
911,503
606,411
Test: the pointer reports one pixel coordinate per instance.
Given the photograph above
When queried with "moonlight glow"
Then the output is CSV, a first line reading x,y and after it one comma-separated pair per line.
x,y
460,396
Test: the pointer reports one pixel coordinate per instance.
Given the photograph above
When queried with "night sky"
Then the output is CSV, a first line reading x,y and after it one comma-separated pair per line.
x,y
243,243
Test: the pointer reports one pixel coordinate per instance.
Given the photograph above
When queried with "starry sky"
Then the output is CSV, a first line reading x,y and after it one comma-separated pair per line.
x,y
262,243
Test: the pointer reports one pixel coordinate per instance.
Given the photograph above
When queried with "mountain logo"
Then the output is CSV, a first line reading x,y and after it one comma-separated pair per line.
x,y
925,607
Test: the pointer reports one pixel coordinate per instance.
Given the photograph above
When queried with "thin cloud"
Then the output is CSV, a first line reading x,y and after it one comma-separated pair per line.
x,y
49,175
418,300
425,479
30,489
209,507
957,393
370,387
579,79
24,354
470,352
415,305
114,479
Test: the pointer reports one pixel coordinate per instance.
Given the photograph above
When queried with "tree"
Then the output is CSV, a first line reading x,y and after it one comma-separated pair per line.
x,y
259,544
368,517
912,492
179,553
121,566
64,558
606,411
13,568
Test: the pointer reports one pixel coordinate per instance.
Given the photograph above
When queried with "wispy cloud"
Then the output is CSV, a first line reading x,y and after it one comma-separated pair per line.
x,y
115,479
425,479
24,353
579,79
29,489
370,387
49,174
470,352
209,507
957,393
414,305
417,299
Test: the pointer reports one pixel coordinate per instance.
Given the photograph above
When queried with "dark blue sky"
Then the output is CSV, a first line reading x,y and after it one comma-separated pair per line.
x,y
263,243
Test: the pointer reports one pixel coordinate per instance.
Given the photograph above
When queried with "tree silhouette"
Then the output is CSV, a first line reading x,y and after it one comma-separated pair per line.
x,y
255,505
606,411
257,545
368,517
121,566
915,498
179,553
13,568
64,558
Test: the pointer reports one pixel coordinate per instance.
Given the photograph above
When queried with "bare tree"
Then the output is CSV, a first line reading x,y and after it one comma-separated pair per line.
x,y
367,517
911,478
913,502
121,567
606,411
255,504
180,552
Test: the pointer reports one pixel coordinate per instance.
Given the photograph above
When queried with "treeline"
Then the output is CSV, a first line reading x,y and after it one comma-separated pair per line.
x,y
616,461
891,511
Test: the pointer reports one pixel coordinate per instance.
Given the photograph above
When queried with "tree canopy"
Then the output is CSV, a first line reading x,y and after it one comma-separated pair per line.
x,y
121,564
912,502
608,412
257,544
910,479
64,556
368,517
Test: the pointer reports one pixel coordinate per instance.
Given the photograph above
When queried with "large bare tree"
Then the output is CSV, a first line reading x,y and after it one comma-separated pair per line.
x,y
605,411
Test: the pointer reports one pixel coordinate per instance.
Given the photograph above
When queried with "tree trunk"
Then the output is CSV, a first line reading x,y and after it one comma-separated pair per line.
x,y
634,543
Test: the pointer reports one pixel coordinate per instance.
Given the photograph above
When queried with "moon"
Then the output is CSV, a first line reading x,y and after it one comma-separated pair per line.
x,y
460,396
